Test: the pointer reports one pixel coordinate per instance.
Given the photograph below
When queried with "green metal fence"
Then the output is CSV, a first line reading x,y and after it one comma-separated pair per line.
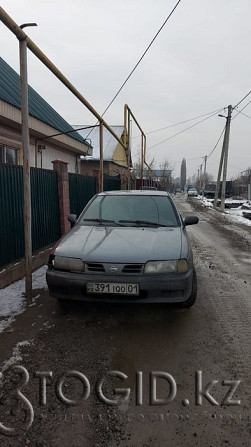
x,y
112,183
11,214
81,190
44,206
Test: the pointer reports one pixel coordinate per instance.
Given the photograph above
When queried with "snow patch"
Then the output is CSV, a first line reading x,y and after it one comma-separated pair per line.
x,y
16,355
12,301
235,213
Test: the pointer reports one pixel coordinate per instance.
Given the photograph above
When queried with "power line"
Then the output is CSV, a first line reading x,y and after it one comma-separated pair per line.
x,y
240,111
217,142
184,130
196,158
242,99
181,122
247,116
232,166
140,59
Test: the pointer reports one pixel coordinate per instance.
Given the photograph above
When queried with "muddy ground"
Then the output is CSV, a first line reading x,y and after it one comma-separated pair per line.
x,y
213,337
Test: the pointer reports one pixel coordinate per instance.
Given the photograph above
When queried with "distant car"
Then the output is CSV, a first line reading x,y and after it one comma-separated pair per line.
x,y
192,192
177,190
127,247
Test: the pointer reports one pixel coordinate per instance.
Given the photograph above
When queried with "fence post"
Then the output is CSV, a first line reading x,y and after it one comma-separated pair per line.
x,y
61,169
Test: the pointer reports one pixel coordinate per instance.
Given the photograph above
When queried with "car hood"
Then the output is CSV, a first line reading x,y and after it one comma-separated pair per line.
x,y
121,244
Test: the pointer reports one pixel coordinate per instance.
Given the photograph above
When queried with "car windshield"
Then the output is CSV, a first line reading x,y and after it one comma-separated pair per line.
x,y
126,210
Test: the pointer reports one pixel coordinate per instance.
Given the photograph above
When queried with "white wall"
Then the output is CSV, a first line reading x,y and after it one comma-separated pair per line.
x,y
12,137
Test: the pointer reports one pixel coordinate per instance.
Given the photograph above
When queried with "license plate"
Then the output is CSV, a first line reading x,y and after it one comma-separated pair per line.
x,y
116,288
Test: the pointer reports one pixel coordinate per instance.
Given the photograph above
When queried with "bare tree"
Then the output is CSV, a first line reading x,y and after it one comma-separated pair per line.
x,y
148,172
183,174
165,177
209,178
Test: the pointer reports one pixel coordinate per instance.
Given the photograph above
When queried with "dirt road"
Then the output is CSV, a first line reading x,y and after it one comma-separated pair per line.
x,y
211,342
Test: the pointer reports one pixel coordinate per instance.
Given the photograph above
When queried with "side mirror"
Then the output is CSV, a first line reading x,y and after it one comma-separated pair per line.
x,y
72,218
191,220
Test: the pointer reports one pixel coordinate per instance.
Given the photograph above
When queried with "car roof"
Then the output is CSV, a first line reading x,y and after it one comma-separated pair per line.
x,y
139,192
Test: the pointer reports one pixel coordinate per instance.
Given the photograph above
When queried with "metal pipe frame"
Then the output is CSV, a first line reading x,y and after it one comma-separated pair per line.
x,y
21,35
128,112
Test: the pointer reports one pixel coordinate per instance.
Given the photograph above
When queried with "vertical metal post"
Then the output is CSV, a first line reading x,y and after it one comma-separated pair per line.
x,y
101,160
204,176
249,191
125,125
26,167
142,160
227,132
128,149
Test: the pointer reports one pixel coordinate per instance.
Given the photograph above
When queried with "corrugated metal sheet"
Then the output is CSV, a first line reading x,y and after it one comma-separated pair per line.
x,y
38,107
11,215
112,183
45,211
44,208
81,190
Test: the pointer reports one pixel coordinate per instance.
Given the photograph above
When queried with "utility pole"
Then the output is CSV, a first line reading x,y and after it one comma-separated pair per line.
x,y
223,190
224,157
26,163
204,176
200,176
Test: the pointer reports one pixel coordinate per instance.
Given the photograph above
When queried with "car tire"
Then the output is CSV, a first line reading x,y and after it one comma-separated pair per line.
x,y
192,298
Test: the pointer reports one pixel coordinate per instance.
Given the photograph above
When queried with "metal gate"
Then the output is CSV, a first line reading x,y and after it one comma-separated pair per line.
x,y
81,190
112,183
45,208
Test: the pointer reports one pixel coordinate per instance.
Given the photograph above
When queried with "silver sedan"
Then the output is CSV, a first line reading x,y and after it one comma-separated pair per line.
x,y
126,246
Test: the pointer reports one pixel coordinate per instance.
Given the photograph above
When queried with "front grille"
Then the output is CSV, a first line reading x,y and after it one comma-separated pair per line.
x,y
94,267
171,293
132,268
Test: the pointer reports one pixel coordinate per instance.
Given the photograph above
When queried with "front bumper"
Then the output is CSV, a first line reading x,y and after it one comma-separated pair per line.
x,y
158,288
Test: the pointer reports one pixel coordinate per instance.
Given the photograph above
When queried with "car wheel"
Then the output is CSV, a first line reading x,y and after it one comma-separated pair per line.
x,y
191,300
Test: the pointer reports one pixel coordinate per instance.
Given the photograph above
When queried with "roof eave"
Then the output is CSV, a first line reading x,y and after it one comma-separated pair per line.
x,y
11,116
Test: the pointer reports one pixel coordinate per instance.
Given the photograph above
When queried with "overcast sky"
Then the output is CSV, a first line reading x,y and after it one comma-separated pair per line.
x,y
199,63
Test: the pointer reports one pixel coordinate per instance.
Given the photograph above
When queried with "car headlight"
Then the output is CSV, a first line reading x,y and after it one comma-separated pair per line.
x,y
70,264
173,266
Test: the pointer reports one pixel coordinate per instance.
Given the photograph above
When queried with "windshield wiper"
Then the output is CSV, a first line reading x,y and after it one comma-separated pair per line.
x,y
143,222
101,221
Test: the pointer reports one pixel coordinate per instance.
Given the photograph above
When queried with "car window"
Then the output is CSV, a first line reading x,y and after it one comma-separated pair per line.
x,y
155,209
